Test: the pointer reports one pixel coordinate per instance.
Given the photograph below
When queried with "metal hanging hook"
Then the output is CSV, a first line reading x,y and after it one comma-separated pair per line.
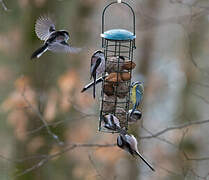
x,y
119,1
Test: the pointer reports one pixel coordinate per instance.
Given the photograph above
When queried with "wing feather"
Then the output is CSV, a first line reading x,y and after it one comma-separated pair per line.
x,y
44,27
59,47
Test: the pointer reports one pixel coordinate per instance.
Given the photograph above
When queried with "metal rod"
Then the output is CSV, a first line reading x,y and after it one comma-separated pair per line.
x,y
103,17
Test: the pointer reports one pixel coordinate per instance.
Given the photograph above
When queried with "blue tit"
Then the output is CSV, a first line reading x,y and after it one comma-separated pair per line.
x,y
98,80
97,67
129,144
137,91
55,41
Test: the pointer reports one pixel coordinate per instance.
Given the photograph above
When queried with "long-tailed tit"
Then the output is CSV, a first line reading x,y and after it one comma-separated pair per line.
x,y
97,67
129,144
55,41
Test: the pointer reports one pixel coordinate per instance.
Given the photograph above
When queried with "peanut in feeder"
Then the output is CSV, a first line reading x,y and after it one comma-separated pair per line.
x,y
118,47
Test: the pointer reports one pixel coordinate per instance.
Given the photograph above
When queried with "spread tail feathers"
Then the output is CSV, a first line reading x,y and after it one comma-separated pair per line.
x,y
39,51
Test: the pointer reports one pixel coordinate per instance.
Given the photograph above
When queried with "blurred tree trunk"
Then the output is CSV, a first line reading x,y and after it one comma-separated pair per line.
x,y
146,46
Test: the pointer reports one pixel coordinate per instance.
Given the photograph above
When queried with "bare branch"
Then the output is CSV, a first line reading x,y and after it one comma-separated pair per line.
x,y
55,124
201,84
70,147
3,5
195,159
36,111
95,167
178,127
160,139
200,97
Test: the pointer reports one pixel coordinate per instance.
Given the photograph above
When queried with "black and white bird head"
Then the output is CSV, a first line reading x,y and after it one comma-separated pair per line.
x,y
98,53
54,40
97,62
136,115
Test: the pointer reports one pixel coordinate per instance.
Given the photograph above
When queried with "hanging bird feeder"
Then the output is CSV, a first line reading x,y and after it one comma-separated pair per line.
x,y
118,46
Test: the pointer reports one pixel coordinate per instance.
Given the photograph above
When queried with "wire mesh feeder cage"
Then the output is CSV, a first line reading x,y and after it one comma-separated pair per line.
x,y
118,46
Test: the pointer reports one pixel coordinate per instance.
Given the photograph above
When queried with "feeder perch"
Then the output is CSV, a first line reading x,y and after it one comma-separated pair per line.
x,y
118,47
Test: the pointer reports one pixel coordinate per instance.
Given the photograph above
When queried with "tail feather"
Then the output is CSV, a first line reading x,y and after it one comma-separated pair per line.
x,y
94,88
145,161
39,51
98,80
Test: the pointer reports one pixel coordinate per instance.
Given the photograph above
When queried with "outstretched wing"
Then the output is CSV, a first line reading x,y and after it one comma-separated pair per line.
x,y
63,47
44,27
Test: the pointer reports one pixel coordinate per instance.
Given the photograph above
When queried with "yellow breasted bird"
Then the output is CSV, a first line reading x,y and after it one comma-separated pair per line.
x,y
137,91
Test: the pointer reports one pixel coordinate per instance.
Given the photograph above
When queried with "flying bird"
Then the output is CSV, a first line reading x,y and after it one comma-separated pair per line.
x,y
55,41
97,67
129,144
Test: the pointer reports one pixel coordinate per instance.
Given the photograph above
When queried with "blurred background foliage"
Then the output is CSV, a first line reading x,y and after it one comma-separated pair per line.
x,y
172,60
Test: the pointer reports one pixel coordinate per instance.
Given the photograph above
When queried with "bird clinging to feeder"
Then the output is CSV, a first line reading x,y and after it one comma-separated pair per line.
x,y
97,67
129,144
137,92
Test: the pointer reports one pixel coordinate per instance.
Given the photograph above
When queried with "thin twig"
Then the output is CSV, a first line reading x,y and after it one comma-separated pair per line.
x,y
160,139
55,124
59,153
95,167
54,136
3,5
178,127
200,97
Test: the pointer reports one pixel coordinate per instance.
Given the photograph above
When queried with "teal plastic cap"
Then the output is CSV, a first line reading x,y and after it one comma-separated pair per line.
x,y
118,35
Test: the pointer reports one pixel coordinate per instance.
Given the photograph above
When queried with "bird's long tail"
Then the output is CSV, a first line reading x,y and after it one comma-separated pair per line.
x,y
94,87
145,161
99,80
134,108
39,51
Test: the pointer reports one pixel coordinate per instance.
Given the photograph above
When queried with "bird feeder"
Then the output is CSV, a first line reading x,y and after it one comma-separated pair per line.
x,y
118,47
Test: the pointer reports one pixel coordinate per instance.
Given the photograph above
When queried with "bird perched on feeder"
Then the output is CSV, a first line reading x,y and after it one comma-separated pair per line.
x,y
129,144
97,67
55,41
137,91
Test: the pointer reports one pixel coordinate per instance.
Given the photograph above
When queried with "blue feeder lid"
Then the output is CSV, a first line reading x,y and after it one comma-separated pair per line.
x,y
118,35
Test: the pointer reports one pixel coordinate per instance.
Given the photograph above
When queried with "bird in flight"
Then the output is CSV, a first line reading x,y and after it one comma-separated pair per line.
x,y
55,41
